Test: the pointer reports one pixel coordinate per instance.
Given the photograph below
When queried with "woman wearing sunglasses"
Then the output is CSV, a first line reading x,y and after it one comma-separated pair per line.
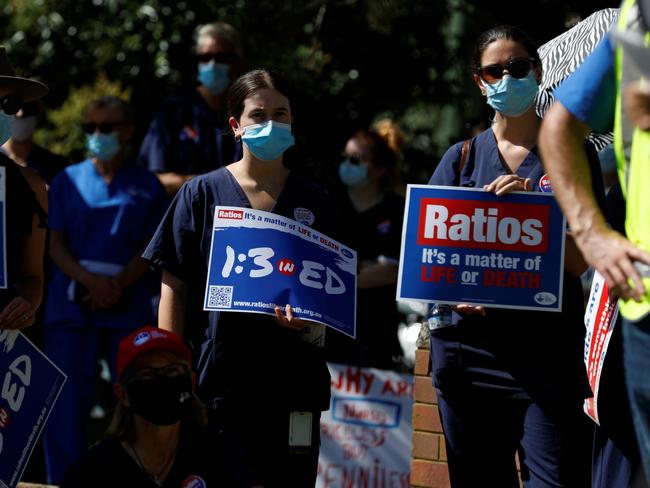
x,y
371,223
508,381
155,438
102,213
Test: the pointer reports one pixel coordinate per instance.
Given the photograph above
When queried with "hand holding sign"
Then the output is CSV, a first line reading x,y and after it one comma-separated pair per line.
x,y
260,261
18,314
505,184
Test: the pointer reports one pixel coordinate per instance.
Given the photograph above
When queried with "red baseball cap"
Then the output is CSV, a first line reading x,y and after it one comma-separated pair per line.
x,y
148,339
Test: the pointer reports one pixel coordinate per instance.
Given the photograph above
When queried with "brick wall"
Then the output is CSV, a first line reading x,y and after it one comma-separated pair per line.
x,y
429,460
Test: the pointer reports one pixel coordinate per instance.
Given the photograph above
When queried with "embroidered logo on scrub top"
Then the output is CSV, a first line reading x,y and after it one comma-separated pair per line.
x,y
141,338
189,132
545,184
384,227
193,482
304,215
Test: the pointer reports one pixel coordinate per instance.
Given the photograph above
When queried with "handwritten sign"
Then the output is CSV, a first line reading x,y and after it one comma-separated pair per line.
x,y
466,245
366,434
600,319
260,260
29,386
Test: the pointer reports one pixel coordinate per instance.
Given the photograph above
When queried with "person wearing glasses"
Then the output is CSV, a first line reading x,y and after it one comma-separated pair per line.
x,y
24,197
509,381
155,438
371,223
102,213
190,135
22,148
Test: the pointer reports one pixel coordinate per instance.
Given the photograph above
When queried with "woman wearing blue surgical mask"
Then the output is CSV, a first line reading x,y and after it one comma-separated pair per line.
x,y
255,370
511,381
371,216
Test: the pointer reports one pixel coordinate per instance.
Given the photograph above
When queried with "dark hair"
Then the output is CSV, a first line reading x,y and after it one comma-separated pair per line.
x,y
249,83
509,32
110,101
384,144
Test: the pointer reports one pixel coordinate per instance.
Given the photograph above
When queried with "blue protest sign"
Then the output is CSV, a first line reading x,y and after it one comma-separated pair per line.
x,y
29,386
3,228
260,260
466,245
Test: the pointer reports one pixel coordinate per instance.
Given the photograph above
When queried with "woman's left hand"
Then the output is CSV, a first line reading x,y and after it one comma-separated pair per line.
x,y
505,184
18,314
288,320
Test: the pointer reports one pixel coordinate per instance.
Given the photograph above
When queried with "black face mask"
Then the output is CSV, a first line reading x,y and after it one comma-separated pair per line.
x,y
161,400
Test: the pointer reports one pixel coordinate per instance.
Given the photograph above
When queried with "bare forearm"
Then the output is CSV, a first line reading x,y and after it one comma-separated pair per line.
x,y
134,269
66,262
173,181
376,275
31,289
173,304
561,143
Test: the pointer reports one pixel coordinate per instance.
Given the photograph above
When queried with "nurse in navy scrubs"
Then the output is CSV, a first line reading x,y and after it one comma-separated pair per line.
x,y
254,369
511,381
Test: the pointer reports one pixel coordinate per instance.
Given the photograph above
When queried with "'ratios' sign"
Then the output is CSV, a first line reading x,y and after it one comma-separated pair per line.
x,y
466,245
260,260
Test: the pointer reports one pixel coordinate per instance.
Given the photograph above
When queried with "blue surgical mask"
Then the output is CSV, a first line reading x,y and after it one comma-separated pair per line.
x,y
511,96
353,175
103,146
269,140
5,127
214,76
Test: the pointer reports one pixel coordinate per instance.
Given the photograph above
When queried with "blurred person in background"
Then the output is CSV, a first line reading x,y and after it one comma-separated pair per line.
x,y
190,134
156,435
370,221
25,198
102,213
24,151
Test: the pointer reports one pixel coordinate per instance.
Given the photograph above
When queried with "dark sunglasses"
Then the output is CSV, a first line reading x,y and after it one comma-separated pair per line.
x,y
220,57
352,159
11,104
170,371
104,127
517,68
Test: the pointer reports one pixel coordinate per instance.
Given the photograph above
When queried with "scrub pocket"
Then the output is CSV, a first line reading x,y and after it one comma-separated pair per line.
x,y
445,357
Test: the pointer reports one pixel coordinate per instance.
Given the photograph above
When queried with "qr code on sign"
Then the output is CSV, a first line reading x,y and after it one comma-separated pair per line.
x,y
220,297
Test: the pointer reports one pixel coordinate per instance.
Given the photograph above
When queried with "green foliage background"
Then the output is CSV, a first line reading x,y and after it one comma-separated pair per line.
x,y
352,61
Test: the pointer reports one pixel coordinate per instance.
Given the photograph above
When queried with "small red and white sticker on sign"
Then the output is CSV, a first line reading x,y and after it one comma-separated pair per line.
x,y
545,184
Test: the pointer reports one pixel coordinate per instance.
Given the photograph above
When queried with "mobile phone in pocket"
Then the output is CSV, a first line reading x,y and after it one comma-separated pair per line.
x,y
300,427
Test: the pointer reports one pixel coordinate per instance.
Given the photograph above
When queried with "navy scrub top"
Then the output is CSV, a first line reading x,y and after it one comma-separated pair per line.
x,y
188,138
517,353
374,232
242,357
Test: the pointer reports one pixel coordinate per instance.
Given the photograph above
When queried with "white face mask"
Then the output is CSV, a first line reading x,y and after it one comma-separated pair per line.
x,y
23,128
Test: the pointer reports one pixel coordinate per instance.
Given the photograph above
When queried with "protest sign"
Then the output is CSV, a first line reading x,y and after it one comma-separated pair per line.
x,y
3,228
466,245
29,386
366,433
259,260
600,319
